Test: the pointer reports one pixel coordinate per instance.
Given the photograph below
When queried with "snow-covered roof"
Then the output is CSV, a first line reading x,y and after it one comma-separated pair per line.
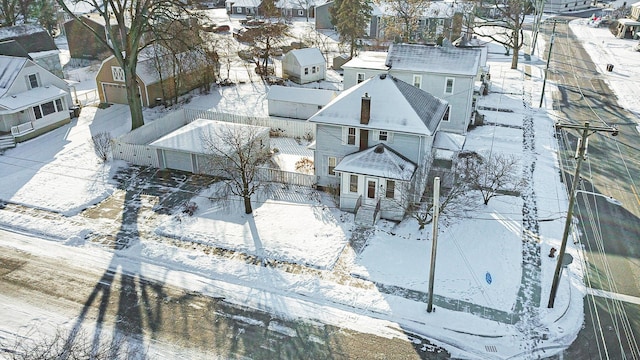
x,y
245,3
374,60
379,161
628,22
448,141
30,98
297,4
10,67
395,106
301,95
434,59
308,56
32,37
189,138
435,9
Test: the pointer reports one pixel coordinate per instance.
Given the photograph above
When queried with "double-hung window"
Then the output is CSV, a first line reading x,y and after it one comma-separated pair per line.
x,y
360,78
351,136
353,183
448,88
332,165
33,81
390,192
417,81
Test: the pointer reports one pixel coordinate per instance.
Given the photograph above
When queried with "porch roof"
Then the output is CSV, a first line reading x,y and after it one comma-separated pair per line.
x,y
23,100
379,161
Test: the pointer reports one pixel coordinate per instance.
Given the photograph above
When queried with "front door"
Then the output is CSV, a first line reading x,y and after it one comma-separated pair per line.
x,y
371,191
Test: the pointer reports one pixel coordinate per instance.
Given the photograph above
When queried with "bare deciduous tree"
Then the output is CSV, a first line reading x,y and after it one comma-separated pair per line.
x,y
128,35
69,344
405,16
102,145
263,39
502,22
235,152
492,175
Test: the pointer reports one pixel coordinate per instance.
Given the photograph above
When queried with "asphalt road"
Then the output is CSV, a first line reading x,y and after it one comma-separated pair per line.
x,y
177,322
610,233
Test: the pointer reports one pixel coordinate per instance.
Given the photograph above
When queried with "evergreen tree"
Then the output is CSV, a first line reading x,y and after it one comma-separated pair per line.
x,y
44,11
351,18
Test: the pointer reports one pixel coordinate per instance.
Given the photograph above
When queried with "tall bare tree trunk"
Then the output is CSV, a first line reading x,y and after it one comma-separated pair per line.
x,y
133,95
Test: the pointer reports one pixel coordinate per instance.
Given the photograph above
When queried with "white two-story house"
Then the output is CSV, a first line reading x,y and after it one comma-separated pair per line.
x,y
448,73
374,145
32,99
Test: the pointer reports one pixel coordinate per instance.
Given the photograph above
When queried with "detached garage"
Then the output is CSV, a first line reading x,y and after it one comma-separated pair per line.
x,y
185,149
297,103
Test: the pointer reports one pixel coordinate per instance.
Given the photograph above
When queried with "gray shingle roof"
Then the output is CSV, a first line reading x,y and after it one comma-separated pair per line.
x,y
395,106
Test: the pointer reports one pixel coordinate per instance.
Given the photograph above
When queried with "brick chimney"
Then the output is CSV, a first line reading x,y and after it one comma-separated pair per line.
x,y
365,109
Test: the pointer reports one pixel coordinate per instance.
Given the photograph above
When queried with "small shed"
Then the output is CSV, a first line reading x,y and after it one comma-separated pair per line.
x,y
303,66
184,149
297,103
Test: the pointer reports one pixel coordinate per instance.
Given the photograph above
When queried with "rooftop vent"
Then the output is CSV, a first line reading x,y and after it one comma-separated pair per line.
x,y
379,149
383,76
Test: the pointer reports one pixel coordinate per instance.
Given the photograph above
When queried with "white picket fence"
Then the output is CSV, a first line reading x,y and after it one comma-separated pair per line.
x,y
133,146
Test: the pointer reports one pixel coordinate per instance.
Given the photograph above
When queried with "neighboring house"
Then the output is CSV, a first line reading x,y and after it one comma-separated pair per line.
x,y
184,148
32,99
156,79
303,66
34,41
566,6
374,144
242,7
439,20
298,8
83,44
323,17
635,11
448,73
297,103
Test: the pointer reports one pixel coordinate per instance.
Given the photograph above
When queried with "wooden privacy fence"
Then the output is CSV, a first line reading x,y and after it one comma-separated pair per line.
x,y
286,177
279,126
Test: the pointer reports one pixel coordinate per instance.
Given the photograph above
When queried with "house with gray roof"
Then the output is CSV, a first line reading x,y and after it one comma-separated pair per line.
x,y
448,73
374,144
32,99
33,42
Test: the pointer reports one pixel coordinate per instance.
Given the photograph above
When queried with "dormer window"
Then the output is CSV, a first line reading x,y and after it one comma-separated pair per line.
x,y
33,81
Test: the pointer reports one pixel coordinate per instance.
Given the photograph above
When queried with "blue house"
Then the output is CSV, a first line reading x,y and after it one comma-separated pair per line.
x,y
374,144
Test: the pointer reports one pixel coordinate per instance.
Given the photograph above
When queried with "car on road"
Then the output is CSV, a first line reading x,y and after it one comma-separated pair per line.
x,y
222,28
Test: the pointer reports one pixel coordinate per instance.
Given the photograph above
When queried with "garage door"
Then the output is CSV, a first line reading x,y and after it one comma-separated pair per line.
x,y
177,160
115,94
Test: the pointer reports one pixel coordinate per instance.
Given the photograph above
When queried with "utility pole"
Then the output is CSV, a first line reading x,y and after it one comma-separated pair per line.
x,y
434,244
546,70
580,155
536,24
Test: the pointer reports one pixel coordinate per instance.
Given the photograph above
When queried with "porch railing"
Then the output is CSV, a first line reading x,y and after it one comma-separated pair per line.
x,y
358,204
21,129
377,211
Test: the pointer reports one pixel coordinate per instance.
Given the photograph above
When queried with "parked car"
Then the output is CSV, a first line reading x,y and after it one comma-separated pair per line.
x,y
225,82
222,28
209,27
245,54
274,80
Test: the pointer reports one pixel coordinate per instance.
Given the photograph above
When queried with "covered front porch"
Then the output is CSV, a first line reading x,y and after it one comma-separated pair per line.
x,y
375,183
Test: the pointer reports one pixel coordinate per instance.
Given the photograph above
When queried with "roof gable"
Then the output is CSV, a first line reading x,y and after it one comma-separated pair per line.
x,y
433,59
395,106
307,56
380,161
10,67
